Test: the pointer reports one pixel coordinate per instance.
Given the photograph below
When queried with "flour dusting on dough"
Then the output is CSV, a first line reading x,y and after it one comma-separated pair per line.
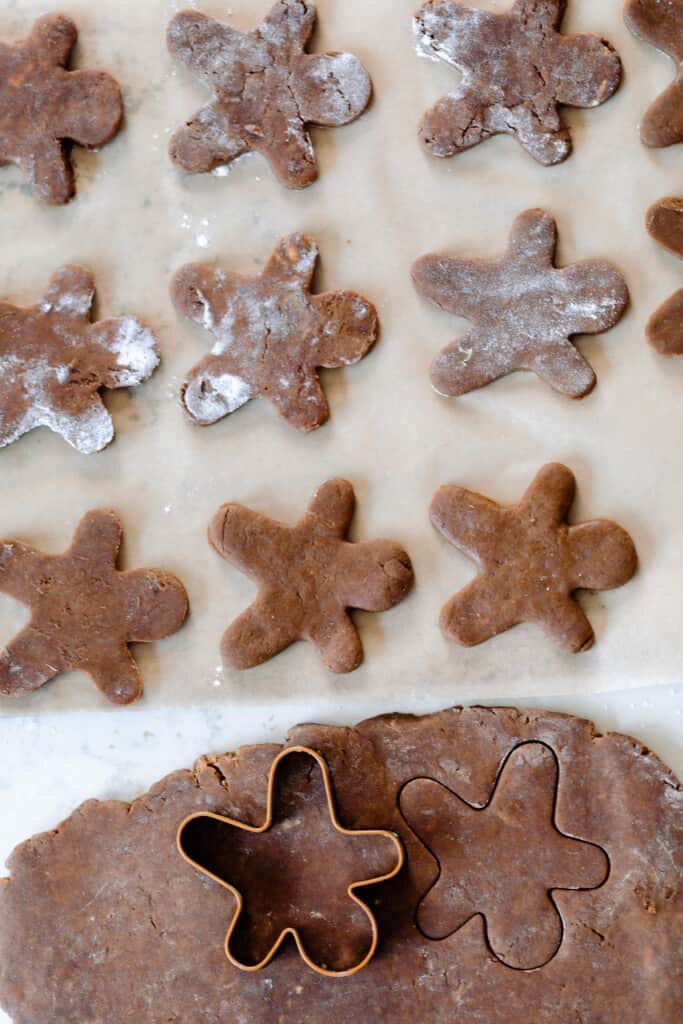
x,y
209,397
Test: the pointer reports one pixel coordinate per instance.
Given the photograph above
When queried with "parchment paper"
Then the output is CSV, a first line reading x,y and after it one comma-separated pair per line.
x,y
380,203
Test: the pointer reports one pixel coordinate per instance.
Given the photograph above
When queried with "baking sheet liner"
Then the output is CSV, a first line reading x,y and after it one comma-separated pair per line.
x,y
380,203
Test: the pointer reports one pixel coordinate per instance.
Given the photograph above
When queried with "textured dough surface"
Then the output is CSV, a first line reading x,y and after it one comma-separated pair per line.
x,y
101,919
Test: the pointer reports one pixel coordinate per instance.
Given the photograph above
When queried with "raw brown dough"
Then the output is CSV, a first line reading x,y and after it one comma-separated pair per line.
x,y
102,920
660,22
524,310
54,361
85,612
308,577
531,561
523,927
517,69
271,335
266,89
44,107
665,327
282,889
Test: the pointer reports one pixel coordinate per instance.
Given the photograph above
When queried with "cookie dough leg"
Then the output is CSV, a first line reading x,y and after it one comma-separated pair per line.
x,y
210,392
88,428
287,147
301,402
563,367
116,675
26,664
270,625
479,612
564,620
338,642
545,144
206,142
471,363
49,172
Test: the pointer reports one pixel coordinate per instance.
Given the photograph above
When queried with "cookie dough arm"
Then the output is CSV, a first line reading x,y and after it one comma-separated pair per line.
x,y
55,36
478,612
70,291
207,47
550,494
332,507
20,566
250,541
27,663
458,286
199,292
115,674
468,521
156,603
206,141
455,123
267,627
349,329
374,576
98,538
472,362
213,389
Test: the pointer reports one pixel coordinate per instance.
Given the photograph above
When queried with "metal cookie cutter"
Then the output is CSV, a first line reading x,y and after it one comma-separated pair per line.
x,y
269,824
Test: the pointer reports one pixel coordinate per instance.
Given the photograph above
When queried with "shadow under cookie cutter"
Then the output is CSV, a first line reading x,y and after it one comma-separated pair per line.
x,y
265,827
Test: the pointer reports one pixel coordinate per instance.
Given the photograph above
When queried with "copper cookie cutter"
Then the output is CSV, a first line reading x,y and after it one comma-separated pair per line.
x,y
267,824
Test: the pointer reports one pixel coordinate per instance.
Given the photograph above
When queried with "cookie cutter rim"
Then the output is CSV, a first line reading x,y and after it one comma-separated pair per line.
x,y
265,827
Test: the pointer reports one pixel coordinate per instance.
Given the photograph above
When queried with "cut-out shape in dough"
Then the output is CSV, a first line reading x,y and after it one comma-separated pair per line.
x,y
502,861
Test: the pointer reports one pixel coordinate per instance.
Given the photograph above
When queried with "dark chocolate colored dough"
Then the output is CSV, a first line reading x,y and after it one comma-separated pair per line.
x,y
102,919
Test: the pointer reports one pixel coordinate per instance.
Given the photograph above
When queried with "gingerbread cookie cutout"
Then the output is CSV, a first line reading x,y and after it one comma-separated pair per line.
x,y
297,874
525,311
85,612
665,327
44,107
271,336
54,361
514,890
660,23
309,576
531,561
107,889
266,88
517,69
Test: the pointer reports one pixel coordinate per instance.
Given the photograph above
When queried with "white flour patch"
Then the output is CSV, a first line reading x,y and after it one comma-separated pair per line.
x,y
211,396
135,348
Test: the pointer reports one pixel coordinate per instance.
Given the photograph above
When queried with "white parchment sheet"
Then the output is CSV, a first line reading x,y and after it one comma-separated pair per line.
x,y
380,203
